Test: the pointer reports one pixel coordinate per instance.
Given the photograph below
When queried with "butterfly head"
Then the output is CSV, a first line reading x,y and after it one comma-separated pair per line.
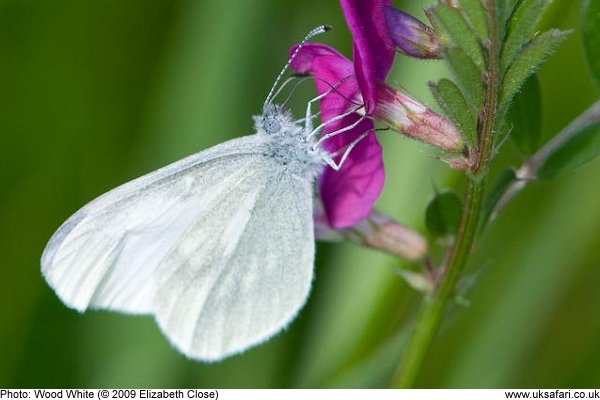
x,y
276,120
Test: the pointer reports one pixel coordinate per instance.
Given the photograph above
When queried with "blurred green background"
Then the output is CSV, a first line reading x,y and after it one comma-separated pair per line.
x,y
94,93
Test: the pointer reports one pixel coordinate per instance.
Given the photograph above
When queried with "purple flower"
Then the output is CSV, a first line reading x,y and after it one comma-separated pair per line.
x,y
373,48
412,36
349,194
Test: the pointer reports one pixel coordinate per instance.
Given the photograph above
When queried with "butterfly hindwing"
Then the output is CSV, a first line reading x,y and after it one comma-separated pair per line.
x,y
241,281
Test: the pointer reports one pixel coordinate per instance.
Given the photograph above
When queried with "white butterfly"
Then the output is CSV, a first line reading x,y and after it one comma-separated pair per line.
x,y
219,246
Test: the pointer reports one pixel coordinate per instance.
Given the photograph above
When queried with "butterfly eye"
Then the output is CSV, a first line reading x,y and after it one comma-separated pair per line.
x,y
271,125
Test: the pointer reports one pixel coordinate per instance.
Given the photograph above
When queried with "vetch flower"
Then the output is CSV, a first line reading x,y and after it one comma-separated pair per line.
x,y
353,94
349,194
412,36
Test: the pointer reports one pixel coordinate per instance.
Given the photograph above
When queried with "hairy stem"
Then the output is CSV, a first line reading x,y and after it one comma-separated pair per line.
x,y
434,307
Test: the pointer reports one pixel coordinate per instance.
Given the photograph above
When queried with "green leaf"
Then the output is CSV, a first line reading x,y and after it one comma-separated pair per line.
x,y
457,32
528,61
452,101
526,117
590,26
468,76
581,148
442,215
503,182
505,10
520,29
476,16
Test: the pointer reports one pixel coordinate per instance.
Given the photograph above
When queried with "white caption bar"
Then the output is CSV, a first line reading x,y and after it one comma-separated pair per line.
x,y
312,394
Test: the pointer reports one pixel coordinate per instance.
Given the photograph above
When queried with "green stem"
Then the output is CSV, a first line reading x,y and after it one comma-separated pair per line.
x,y
434,307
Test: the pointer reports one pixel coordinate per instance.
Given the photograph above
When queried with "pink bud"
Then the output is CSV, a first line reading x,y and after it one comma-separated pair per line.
x,y
410,35
412,118
376,231
385,234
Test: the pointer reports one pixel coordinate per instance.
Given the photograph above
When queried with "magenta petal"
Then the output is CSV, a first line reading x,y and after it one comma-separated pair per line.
x,y
303,62
373,49
330,69
349,194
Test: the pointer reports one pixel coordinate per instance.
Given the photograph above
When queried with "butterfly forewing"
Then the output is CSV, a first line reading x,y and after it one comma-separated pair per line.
x,y
119,237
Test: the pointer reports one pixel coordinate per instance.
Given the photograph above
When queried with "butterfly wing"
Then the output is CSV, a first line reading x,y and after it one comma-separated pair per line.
x,y
105,255
245,279
219,246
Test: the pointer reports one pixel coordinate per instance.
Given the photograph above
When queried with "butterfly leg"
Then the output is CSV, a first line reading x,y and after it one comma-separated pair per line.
x,y
341,130
308,122
336,166
332,120
308,126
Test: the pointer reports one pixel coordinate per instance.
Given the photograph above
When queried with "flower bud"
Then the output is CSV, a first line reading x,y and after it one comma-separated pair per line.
x,y
377,232
410,35
383,233
412,118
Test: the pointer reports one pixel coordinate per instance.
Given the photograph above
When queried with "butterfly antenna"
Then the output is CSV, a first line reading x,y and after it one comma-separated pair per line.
x,y
317,31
